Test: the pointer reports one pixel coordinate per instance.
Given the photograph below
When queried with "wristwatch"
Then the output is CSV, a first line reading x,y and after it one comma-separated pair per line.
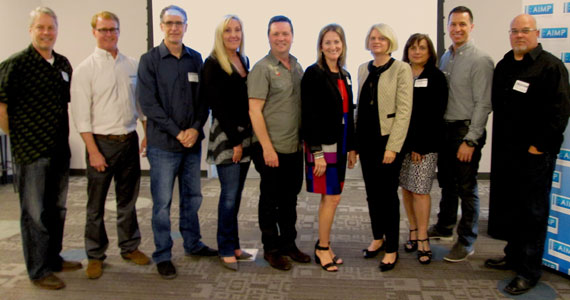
x,y
470,143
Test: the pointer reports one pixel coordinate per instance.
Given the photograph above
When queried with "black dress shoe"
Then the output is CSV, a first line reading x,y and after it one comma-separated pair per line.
x,y
387,267
205,251
277,261
166,269
499,264
295,254
519,286
371,254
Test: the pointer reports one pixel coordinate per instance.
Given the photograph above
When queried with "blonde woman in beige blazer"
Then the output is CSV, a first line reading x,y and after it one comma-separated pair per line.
x,y
384,111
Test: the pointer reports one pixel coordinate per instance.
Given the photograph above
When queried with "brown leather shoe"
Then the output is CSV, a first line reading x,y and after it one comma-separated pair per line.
x,y
94,269
68,266
277,261
49,282
295,254
136,257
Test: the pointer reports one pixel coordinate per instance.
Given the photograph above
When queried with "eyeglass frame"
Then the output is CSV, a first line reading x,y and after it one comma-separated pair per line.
x,y
113,30
524,31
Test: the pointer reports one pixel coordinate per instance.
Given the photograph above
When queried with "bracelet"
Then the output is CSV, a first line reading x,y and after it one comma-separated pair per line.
x,y
318,154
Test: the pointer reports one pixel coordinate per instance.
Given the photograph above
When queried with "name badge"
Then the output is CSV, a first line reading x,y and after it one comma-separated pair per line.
x,y
421,82
192,77
521,86
65,76
133,79
349,82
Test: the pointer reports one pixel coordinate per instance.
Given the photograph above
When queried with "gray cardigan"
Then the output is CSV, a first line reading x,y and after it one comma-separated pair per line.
x,y
395,89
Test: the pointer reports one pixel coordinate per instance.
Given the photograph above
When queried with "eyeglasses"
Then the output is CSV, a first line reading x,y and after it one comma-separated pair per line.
x,y
108,30
173,23
523,31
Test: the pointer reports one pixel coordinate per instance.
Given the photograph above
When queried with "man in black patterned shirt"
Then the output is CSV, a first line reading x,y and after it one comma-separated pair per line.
x,y
34,92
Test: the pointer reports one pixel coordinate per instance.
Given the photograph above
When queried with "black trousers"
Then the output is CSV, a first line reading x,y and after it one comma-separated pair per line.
x,y
278,199
531,184
381,182
124,166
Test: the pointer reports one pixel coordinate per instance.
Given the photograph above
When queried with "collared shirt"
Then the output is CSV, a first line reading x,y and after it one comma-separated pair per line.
x,y
280,87
103,94
469,73
167,90
37,94
531,100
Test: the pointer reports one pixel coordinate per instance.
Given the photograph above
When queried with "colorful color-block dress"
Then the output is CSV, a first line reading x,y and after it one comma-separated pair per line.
x,y
332,182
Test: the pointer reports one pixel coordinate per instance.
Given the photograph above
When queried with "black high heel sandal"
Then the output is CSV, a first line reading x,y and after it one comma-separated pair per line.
x,y
371,254
328,266
335,259
411,245
423,254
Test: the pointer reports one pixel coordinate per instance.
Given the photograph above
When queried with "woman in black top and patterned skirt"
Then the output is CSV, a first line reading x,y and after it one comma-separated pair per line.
x,y
423,140
328,132
224,88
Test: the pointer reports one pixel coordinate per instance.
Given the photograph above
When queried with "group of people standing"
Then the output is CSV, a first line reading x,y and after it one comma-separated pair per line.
x,y
411,117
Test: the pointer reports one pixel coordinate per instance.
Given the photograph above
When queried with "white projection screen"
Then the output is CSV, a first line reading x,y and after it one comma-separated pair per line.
x,y
308,17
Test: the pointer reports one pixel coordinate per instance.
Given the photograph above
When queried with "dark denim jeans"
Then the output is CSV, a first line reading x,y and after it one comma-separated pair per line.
x,y
43,194
165,166
278,199
529,216
232,179
458,180
123,162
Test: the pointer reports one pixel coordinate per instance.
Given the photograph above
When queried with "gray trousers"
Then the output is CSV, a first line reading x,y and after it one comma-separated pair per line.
x,y
122,157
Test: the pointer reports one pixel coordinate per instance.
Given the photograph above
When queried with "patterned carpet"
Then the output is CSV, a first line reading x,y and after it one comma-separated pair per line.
x,y
205,278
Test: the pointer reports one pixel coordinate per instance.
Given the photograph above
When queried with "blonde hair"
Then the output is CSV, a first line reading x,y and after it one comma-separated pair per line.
x,y
42,10
105,15
219,50
387,32
320,56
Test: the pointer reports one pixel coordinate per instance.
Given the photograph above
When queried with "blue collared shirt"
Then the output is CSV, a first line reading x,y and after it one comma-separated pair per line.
x,y
167,90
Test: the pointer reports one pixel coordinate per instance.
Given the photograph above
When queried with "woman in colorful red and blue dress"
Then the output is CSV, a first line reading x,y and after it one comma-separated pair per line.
x,y
328,132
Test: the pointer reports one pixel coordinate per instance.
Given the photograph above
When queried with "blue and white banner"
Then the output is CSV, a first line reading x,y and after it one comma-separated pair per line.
x,y
553,20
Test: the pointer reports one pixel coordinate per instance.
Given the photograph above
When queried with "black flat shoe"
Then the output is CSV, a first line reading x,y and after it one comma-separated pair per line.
x,y
328,267
411,245
519,286
387,267
371,254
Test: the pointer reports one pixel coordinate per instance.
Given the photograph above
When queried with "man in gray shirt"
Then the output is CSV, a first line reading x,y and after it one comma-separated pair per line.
x,y
274,86
469,72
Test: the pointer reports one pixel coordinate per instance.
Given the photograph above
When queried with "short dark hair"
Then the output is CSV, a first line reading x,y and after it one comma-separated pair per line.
x,y
418,37
461,9
279,18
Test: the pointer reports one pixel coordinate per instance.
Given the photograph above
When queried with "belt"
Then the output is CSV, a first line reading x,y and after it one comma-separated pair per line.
x,y
115,137
458,123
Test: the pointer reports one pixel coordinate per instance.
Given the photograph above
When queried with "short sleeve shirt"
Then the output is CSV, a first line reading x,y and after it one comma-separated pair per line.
x,y
280,87
37,94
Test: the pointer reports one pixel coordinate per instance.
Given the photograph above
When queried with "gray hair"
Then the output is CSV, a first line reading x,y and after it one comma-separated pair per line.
x,y
176,8
39,11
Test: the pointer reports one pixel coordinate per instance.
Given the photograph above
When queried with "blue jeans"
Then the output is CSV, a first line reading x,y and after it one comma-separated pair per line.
x,y
165,166
43,193
458,180
232,179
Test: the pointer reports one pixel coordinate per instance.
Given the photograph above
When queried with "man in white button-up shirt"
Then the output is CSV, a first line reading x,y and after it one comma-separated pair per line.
x,y
105,111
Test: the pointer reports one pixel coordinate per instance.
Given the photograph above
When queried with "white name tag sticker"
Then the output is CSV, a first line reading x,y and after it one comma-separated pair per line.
x,y
348,81
521,86
65,76
421,82
192,77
